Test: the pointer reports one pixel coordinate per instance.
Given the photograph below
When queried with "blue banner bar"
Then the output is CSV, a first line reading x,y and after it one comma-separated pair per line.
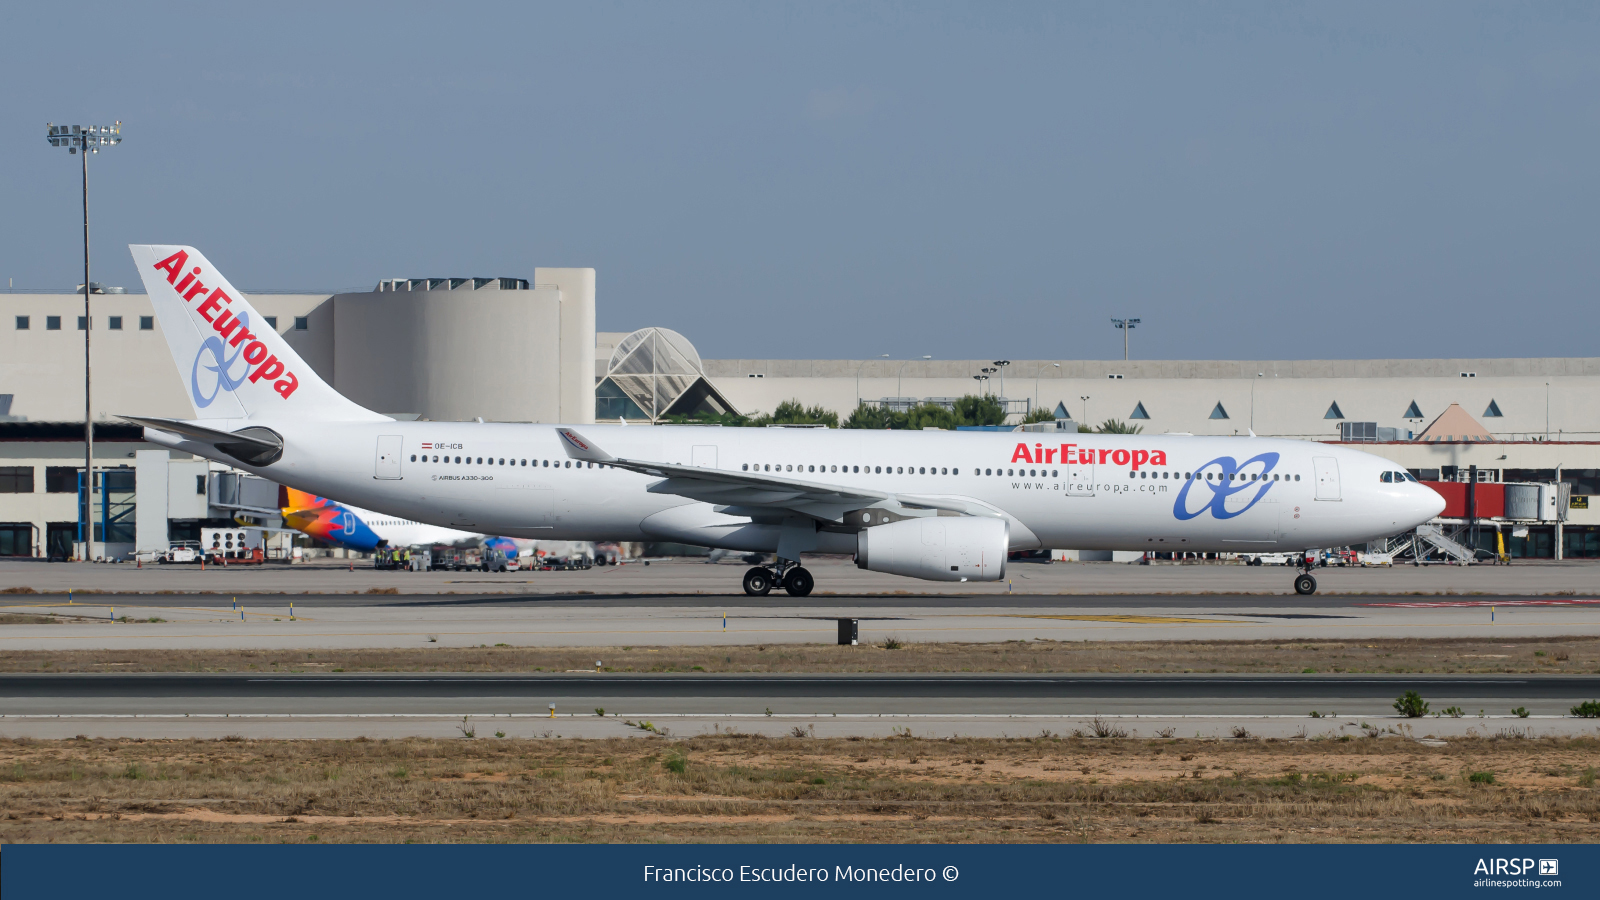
x,y
1117,872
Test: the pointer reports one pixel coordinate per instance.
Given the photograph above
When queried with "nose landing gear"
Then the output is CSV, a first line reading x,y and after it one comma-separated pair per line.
x,y
760,580
1304,584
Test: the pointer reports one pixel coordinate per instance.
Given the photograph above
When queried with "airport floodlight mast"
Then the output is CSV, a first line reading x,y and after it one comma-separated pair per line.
x,y
86,139
988,372
1000,366
1125,325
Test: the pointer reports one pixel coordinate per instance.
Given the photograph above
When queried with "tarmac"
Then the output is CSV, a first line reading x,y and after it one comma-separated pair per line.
x,y
618,705
834,577
316,607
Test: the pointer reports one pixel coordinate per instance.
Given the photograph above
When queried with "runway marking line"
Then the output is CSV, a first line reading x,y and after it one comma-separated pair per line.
x,y
1129,619
1447,604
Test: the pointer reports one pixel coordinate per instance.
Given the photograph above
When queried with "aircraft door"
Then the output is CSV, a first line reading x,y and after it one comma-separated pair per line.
x,y
705,456
388,464
1327,469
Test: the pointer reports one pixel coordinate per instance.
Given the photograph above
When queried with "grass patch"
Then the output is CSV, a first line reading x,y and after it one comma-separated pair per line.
x,y
746,788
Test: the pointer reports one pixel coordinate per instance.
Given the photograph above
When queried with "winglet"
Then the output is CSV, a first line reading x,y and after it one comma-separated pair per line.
x,y
580,447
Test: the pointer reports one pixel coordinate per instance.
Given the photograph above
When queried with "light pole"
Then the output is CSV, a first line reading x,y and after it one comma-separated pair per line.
x,y
86,139
987,371
1036,400
1125,325
897,393
858,377
1000,365
1085,399
1253,403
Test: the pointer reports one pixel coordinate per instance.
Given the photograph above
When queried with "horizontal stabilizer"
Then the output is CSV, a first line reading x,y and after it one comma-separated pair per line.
x,y
255,446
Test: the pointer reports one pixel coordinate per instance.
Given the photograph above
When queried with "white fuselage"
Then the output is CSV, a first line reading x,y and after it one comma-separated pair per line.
x,y
1080,491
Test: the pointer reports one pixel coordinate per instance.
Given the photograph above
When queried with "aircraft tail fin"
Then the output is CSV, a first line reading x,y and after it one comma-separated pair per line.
x,y
233,364
299,501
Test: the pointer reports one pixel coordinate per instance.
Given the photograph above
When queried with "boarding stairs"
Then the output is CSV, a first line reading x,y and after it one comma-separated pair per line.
x,y
1434,536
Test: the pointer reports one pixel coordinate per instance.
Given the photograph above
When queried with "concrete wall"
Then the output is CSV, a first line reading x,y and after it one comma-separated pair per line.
x,y
1289,398
134,370
455,355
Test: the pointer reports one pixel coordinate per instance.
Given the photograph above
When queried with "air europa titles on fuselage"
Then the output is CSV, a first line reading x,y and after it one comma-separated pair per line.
x,y
233,329
1073,454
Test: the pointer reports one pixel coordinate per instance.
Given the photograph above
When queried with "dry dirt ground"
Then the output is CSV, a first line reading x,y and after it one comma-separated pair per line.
x,y
735,788
1569,655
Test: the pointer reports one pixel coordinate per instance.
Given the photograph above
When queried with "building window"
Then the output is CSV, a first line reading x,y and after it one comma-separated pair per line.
x,y
1413,412
272,322
301,323
61,479
83,323
16,479
22,323
1493,412
52,323
147,323
114,323
1217,412
1333,411
200,485
1138,412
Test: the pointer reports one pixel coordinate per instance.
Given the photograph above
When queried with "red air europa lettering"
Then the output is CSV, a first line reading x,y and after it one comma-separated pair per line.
x,y
267,365
1073,454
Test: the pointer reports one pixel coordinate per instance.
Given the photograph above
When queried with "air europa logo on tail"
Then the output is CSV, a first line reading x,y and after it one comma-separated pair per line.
x,y
232,331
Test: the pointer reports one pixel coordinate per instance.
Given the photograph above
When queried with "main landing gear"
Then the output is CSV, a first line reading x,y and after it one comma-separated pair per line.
x,y
760,580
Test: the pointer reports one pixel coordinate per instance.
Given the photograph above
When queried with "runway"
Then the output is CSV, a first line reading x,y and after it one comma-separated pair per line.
x,y
326,582
329,704
842,603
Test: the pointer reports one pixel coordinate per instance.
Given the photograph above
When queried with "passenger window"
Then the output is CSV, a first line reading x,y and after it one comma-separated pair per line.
x,y
955,471
1297,478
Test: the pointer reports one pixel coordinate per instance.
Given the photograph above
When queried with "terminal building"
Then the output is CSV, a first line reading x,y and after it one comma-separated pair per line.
x,y
526,350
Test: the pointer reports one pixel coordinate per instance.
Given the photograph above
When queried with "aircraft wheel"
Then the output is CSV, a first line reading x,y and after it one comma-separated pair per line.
x,y
798,582
758,582
1305,584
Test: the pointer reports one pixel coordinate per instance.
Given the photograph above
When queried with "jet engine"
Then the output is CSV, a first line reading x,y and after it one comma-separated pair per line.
x,y
937,548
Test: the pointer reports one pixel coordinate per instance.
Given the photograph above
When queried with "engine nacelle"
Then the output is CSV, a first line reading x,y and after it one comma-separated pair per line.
x,y
937,548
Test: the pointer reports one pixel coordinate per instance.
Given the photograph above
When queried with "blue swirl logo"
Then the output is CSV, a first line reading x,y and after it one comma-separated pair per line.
x,y
1231,480
221,366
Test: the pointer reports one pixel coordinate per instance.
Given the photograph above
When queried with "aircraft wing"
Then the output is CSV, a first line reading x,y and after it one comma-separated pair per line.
x,y
754,490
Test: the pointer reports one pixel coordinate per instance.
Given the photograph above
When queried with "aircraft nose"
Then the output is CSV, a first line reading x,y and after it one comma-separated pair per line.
x,y
1430,503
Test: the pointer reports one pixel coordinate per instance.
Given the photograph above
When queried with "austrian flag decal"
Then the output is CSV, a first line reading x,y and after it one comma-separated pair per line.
x,y
233,331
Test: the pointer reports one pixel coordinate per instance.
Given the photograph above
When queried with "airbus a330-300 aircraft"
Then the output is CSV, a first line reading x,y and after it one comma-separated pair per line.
x,y
937,506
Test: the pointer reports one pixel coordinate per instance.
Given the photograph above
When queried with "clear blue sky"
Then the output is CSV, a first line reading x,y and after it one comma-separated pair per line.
x,y
846,180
